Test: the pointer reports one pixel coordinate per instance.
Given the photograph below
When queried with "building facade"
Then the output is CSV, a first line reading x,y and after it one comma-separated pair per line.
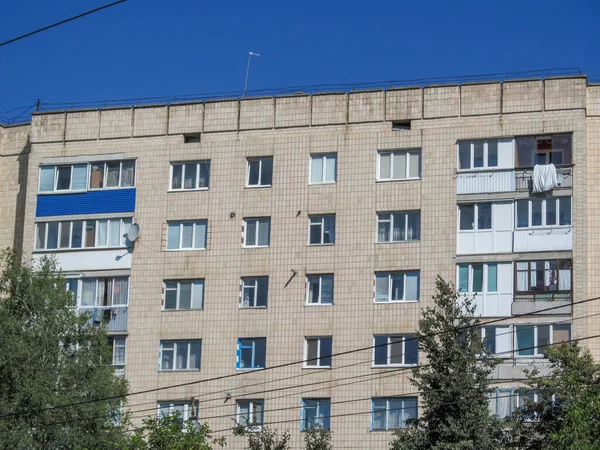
x,y
280,230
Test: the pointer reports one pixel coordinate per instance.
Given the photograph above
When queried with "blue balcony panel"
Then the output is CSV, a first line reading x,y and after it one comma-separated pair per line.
x,y
91,202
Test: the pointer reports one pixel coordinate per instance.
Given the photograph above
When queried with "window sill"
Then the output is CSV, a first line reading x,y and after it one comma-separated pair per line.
x,y
320,245
255,246
394,366
259,186
316,368
388,430
180,310
116,188
395,302
250,369
406,241
179,371
171,191
61,192
86,308
317,304
320,183
251,307
64,250
398,180
185,249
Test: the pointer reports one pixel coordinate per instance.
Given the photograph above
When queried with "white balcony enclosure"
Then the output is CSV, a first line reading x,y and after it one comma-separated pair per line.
x,y
490,285
84,260
543,239
485,233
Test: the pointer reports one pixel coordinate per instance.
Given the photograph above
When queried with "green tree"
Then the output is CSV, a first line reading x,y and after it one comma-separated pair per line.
x,y
566,415
168,433
317,439
263,437
453,383
50,358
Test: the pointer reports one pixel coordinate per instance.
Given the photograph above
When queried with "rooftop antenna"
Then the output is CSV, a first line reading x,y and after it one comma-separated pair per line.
x,y
250,55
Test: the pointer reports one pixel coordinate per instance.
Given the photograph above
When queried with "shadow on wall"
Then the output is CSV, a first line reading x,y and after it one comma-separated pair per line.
x,y
23,161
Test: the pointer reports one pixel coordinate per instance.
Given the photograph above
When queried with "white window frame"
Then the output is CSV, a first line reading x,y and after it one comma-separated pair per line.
x,y
325,158
259,221
55,189
316,364
172,405
115,340
252,282
260,160
500,393
381,218
196,187
470,278
390,282
99,280
388,409
195,284
486,161
195,224
476,217
175,343
537,351
390,339
407,155
321,218
105,171
250,424
125,223
320,277
544,203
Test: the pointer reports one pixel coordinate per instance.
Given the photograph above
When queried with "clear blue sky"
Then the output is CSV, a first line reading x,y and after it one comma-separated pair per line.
x,y
145,48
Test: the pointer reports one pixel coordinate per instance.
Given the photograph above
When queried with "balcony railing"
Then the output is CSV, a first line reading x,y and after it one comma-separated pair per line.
x,y
505,180
523,177
543,297
114,318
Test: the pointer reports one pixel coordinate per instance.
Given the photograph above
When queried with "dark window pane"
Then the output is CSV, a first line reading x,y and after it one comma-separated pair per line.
x,y
52,235
266,175
536,212
315,233
381,350
263,288
551,211
312,352
492,153
411,347
477,277
325,356
467,217
204,177
478,154
490,339
561,149
526,149
112,174
171,295
65,234
522,213
253,172
177,180
260,352
189,180
464,155
64,178
484,216
185,295
564,211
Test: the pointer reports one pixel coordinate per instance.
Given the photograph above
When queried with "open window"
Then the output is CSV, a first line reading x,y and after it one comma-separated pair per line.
x,y
555,149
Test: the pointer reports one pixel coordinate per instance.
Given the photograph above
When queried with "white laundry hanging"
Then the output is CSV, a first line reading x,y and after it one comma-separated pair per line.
x,y
544,177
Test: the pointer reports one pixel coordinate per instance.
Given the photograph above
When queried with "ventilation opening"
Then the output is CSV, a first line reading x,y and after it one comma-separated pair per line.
x,y
191,138
401,125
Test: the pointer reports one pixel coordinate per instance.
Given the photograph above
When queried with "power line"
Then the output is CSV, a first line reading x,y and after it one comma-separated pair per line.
x,y
61,22
222,377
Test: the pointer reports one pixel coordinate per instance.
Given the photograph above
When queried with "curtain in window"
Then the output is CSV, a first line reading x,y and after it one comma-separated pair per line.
x,y
413,231
564,279
330,164
189,181
88,292
504,403
534,274
101,233
384,166
125,230
40,236
127,173
409,410
120,291
97,176
173,236
244,413
167,356
181,356
522,277
200,238
328,230
412,286
381,287
383,228
197,292
79,181
46,178
194,362
397,286
119,351
104,292
112,175
399,227
395,413
203,180
379,413
170,295
248,294
114,233
415,163
316,169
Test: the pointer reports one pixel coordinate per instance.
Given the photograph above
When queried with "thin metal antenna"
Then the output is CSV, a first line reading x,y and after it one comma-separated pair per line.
x,y
250,54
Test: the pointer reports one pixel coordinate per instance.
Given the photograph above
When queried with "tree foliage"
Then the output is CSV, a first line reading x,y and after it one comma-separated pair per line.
x,y
454,382
168,432
566,415
50,358
263,437
317,439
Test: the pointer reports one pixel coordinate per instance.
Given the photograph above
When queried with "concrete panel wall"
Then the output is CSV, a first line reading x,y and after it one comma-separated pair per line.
x,y
565,93
441,101
329,109
404,104
293,111
150,121
480,99
366,107
116,123
221,116
593,100
522,96
186,118
48,127
257,113
82,125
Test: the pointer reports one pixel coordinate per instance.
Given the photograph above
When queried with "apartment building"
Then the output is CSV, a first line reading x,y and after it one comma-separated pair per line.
x,y
284,229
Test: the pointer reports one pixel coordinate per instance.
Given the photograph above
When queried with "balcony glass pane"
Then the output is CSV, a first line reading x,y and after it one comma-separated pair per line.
x,y
478,154
477,277
463,278
551,211
492,153
492,281
467,217
525,341
536,212
564,211
522,213
484,216
464,155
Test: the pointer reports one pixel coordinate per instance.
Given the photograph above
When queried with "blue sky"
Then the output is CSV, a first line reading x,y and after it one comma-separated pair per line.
x,y
145,48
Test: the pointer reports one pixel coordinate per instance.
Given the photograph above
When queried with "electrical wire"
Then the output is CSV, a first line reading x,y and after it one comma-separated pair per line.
x,y
477,325
10,41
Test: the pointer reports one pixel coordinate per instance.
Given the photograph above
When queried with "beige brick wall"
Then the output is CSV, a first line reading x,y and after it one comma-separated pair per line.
x,y
282,128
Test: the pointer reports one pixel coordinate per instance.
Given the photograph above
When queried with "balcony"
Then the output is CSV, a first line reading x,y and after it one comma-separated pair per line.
x,y
114,318
528,303
505,180
543,239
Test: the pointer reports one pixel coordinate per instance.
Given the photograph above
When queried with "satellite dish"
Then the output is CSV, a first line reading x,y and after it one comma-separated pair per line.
x,y
133,233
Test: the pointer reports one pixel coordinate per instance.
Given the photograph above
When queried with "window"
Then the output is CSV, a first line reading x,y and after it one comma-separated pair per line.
x,y
323,168
475,217
100,292
319,290
544,276
399,226
183,295
501,402
497,340
63,178
180,355
250,413
400,125
184,409
76,234
396,286
260,172
188,235
192,138
395,350
401,165
477,154
251,353
393,412
257,232
190,175
543,212
317,351
117,344
255,292
531,340
322,230
112,174
315,413
477,278
532,150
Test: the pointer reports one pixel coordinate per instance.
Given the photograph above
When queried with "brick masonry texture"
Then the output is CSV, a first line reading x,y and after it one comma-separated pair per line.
x,y
291,128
